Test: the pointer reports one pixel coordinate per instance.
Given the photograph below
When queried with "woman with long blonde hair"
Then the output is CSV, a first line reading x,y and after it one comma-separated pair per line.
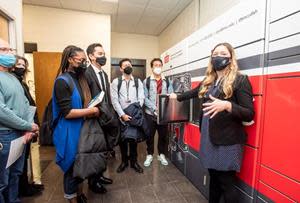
x,y
226,101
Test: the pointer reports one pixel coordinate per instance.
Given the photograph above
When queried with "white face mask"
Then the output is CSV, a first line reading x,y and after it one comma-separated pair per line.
x,y
157,70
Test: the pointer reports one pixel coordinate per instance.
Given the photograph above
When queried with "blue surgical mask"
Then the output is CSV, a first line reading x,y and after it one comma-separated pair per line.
x,y
7,60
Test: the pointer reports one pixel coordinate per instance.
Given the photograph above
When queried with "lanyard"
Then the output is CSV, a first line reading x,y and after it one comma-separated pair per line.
x,y
127,88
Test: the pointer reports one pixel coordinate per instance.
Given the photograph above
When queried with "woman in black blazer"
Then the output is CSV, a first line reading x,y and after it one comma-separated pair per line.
x,y
226,101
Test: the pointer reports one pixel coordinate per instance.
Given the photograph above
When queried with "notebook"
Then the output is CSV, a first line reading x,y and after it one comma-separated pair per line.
x,y
96,100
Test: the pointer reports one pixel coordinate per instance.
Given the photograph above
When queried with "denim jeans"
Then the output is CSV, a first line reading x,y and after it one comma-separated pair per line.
x,y
71,184
9,177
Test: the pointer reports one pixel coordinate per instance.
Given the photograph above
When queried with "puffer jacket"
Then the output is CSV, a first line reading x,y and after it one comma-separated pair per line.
x,y
91,157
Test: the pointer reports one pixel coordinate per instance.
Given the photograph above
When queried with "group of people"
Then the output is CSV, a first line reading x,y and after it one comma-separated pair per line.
x,y
125,96
126,116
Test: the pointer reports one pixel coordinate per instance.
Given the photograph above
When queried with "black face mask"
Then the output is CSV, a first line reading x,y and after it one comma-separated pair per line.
x,y
19,72
128,70
81,68
219,62
101,60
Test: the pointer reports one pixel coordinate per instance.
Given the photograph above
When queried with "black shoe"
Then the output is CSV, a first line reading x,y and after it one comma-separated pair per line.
x,y
81,199
122,167
40,187
137,167
29,191
104,180
97,188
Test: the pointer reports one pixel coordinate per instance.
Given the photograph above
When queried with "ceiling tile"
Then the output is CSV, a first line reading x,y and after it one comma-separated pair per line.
x,y
103,7
130,9
81,5
155,12
164,4
135,2
52,3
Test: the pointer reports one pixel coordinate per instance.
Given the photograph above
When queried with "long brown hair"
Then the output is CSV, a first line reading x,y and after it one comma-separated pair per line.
x,y
68,52
231,71
26,62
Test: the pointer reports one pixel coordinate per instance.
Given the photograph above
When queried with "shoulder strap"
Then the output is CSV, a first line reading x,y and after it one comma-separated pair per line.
x,y
68,78
136,83
148,83
119,84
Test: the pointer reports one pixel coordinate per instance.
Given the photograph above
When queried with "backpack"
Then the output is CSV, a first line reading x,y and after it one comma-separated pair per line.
x,y
48,124
136,83
148,83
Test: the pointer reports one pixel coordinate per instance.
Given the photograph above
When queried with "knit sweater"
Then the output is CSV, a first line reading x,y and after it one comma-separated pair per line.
x,y
14,106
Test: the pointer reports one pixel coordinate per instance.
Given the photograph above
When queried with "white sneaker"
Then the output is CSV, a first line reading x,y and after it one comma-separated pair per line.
x,y
148,160
162,159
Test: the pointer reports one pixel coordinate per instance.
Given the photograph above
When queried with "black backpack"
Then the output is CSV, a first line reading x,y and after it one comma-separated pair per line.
x,y
48,124
148,83
136,83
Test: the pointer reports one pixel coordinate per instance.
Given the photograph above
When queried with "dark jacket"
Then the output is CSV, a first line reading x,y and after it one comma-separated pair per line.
x,y
137,128
28,96
108,118
226,128
92,149
94,85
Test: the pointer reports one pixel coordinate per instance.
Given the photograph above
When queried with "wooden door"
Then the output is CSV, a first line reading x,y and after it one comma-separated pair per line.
x,y
46,65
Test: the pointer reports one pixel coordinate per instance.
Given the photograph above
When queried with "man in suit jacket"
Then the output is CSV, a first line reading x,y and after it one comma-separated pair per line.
x,y
98,81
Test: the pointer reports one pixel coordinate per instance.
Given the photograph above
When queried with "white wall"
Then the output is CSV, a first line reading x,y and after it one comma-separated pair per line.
x,y
184,24
134,46
210,9
197,14
13,8
53,29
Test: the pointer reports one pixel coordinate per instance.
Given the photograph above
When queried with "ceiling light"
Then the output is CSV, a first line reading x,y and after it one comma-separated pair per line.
x,y
111,1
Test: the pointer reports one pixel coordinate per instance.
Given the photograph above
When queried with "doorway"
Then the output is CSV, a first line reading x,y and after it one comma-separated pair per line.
x,y
46,65
138,65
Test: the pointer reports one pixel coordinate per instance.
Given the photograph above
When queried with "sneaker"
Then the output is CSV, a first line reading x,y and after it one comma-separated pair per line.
x,y
162,159
148,160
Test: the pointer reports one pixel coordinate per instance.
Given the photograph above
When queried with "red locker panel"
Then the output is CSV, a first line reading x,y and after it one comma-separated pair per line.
x,y
249,165
285,185
253,130
280,138
273,194
257,84
195,84
192,136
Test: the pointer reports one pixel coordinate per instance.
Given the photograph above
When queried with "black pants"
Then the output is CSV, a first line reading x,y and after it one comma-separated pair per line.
x,y
222,184
23,181
132,151
162,136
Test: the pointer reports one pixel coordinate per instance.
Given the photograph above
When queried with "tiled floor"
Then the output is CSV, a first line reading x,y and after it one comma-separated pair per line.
x,y
157,184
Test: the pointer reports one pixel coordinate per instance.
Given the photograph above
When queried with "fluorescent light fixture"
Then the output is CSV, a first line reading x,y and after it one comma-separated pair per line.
x,y
111,1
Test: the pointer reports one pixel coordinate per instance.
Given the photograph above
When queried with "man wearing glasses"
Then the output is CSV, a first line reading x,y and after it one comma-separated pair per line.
x,y
14,122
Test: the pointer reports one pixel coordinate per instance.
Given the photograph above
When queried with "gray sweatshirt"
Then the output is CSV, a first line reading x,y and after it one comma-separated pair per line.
x,y
14,106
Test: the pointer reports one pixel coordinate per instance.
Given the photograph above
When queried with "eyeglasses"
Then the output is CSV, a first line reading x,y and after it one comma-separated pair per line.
x,y
7,50
80,60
